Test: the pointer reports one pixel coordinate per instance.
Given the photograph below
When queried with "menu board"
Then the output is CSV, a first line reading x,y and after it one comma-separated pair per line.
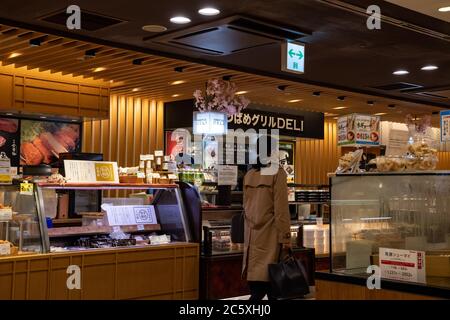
x,y
41,142
10,139
403,265
358,129
80,171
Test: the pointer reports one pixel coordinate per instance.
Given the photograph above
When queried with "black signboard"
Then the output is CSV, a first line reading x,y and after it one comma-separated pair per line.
x,y
291,123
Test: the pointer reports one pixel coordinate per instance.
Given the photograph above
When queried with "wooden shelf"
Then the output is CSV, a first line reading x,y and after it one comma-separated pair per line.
x,y
84,231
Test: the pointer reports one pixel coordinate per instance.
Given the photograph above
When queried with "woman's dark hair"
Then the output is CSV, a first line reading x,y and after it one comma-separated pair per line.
x,y
271,143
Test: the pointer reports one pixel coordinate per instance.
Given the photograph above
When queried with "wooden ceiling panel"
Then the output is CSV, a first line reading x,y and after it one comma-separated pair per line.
x,y
153,76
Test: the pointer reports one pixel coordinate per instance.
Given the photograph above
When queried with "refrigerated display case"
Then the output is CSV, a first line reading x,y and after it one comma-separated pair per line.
x,y
375,212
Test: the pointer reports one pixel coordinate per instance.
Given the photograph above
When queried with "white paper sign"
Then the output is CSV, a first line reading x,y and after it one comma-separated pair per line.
x,y
397,144
79,171
130,215
227,175
403,265
5,214
5,249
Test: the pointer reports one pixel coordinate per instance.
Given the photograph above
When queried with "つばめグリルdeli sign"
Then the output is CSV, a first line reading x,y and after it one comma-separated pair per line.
x,y
305,125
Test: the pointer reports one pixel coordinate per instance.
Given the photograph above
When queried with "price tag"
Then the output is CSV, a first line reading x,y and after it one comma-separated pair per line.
x,y
173,176
140,227
5,214
159,153
156,176
116,229
26,188
141,175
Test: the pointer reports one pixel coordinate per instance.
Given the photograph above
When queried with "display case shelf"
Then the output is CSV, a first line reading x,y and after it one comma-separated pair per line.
x,y
108,186
83,231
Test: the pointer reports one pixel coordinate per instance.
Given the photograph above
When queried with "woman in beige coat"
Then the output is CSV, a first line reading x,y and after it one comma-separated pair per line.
x,y
267,226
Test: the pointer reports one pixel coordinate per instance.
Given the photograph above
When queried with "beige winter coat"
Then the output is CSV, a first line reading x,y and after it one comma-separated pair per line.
x,y
267,222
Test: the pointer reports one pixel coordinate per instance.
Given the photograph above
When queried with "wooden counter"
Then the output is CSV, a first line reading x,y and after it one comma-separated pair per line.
x,y
150,272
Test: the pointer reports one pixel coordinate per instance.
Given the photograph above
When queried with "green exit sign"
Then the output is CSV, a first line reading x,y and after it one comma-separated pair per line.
x,y
293,57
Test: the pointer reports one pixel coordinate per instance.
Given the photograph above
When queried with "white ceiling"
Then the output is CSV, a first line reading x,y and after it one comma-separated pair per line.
x,y
428,7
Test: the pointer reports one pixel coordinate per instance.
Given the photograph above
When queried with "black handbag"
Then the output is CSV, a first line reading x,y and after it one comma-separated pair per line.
x,y
288,278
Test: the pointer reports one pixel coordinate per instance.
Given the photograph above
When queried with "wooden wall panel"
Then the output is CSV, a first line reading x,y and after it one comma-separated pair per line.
x,y
444,161
135,126
316,158
59,96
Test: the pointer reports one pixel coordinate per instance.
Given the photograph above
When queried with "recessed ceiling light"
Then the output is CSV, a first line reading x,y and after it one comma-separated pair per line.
x,y
380,114
370,103
209,11
400,72
341,98
135,89
241,92
99,69
154,28
111,81
444,9
180,20
177,82
9,114
14,55
340,108
316,93
176,95
43,117
429,68
295,100
329,114
335,118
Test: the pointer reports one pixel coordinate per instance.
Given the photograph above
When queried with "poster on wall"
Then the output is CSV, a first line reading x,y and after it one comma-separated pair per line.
x,y
358,129
445,126
10,139
41,142
210,153
287,155
176,143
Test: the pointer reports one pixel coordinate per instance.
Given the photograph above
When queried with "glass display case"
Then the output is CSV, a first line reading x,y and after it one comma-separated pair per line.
x,y
125,217
408,211
21,229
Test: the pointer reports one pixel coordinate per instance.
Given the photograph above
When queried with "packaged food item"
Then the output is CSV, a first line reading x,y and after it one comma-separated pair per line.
x,y
389,163
349,162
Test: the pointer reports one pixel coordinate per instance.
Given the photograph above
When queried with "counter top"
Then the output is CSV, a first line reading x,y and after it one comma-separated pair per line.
x,y
432,289
105,186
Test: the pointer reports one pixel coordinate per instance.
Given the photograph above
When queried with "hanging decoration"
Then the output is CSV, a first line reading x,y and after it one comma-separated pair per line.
x,y
220,96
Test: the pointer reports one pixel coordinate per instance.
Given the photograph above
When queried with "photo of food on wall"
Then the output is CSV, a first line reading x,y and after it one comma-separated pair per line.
x,y
41,142
9,139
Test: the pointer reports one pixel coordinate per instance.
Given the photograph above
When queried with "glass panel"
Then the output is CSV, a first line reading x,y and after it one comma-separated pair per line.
x,y
22,231
404,211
